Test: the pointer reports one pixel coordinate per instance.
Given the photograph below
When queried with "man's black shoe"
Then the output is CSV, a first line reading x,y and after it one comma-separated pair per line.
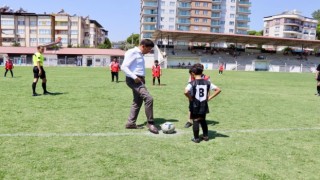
x,y
47,93
35,94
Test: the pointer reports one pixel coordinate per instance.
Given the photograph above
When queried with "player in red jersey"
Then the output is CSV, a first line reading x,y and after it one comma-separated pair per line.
x,y
221,68
114,68
156,72
8,67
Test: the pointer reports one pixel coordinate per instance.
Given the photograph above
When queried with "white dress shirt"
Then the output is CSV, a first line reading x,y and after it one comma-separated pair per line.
x,y
133,63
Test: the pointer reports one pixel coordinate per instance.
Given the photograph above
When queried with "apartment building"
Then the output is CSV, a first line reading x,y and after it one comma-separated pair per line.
x,y
31,29
290,24
216,16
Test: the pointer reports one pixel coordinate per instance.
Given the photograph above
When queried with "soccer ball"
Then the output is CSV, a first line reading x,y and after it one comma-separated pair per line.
x,y
168,128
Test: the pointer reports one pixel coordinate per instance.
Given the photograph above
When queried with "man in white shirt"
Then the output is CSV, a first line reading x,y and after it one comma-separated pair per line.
x,y
134,67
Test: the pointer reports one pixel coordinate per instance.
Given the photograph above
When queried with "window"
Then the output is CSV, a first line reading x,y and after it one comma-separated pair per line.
x,y
171,11
196,19
33,31
204,20
171,19
44,23
205,12
74,23
197,4
172,4
196,12
233,1
204,29
162,11
33,23
231,23
7,22
205,4
74,32
44,31
231,15
21,23
276,29
20,31
171,27
163,3
196,28
33,40
232,8
231,30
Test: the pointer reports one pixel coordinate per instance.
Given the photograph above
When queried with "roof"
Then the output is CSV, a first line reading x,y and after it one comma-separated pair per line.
x,y
195,36
69,51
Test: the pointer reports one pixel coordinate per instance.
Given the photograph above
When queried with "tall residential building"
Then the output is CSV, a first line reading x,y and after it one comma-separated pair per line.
x,y
216,16
31,29
290,24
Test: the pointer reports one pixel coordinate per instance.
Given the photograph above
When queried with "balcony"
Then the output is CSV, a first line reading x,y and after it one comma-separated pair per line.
x,y
215,23
183,28
215,16
150,4
184,6
244,3
183,21
216,1
216,8
242,26
184,14
291,30
150,12
243,19
244,11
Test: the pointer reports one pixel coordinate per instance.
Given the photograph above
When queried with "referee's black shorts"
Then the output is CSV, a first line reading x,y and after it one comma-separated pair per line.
x,y
36,72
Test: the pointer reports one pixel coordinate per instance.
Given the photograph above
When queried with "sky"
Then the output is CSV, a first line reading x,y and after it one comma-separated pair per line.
x,y
122,17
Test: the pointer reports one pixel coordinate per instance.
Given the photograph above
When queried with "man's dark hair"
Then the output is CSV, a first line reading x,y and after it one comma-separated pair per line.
x,y
146,43
156,61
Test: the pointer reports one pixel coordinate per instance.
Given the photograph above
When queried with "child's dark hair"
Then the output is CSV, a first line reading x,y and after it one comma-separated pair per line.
x,y
156,61
197,69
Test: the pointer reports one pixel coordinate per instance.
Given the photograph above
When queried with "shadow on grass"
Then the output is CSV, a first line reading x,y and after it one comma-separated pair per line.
x,y
159,121
215,134
55,93
212,122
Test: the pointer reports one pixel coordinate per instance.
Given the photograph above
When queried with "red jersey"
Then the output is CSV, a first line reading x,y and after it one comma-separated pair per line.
x,y
9,64
221,67
203,76
115,67
156,71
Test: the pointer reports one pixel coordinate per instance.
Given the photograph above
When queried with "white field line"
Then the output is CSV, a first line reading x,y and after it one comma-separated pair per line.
x,y
178,132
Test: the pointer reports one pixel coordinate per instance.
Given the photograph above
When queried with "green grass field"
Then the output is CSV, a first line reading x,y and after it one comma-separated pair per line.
x,y
262,126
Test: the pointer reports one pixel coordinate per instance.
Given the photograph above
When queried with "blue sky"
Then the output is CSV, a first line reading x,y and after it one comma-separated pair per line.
x,y
122,17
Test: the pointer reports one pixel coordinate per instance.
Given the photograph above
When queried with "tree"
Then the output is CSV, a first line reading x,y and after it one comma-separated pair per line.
x,y
255,33
316,15
105,45
133,39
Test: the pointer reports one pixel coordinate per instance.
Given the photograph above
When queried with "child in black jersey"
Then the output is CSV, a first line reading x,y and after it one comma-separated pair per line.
x,y
198,93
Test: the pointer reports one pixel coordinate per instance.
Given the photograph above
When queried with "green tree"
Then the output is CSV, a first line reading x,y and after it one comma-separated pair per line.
x,y
316,15
251,32
105,45
255,33
133,39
